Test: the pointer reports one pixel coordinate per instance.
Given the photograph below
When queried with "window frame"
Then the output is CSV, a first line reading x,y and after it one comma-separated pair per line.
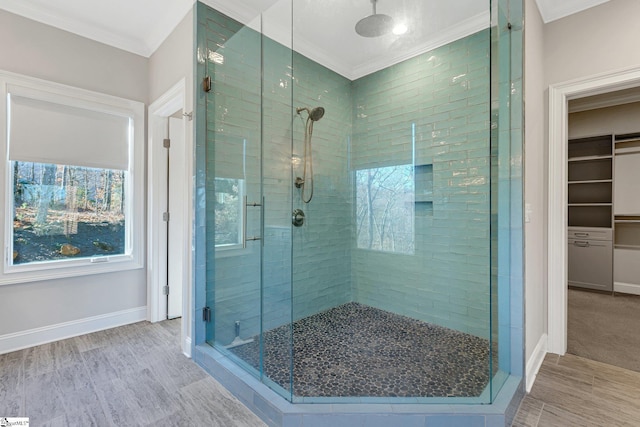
x,y
134,189
231,248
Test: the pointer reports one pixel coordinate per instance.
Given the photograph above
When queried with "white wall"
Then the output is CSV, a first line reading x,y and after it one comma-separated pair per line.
x,y
30,48
534,189
619,119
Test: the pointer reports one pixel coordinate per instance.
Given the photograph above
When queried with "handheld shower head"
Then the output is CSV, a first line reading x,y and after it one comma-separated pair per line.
x,y
315,114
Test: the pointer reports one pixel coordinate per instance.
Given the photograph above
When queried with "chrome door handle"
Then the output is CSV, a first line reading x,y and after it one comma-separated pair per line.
x,y
245,239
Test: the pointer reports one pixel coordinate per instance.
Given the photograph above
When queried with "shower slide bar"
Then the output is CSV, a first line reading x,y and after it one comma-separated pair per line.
x,y
245,204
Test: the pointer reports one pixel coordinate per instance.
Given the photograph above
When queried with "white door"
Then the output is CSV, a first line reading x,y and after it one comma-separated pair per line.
x,y
176,208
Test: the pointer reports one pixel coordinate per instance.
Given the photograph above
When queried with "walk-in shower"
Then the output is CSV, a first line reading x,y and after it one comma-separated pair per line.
x,y
394,284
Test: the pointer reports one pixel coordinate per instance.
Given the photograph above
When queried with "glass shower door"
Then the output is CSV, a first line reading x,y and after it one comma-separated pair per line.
x,y
249,194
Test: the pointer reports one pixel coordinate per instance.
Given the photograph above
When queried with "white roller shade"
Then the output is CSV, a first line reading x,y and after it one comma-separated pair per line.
x,y
48,132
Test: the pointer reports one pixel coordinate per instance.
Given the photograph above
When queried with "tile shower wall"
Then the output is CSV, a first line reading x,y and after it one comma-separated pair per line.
x,y
433,111
242,109
322,247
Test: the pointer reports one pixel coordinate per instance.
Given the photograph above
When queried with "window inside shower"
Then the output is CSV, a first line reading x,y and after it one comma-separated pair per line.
x,y
385,209
385,283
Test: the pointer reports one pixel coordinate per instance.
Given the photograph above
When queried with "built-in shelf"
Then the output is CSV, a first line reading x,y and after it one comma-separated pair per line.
x,y
423,187
589,158
423,199
590,173
591,181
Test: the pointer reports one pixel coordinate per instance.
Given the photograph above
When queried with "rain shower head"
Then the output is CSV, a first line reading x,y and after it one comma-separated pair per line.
x,y
375,25
315,114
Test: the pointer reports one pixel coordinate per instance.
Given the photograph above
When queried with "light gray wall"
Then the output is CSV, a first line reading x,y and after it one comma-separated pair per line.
x,y
597,40
34,49
619,119
172,61
30,48
535,179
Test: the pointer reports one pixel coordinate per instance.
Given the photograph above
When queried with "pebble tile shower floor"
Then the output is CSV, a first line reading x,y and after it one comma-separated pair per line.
x,y
356,350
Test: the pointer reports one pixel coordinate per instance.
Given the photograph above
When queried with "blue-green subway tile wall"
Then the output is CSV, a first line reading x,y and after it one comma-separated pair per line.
x,y
444,96
322,247
248,104
432,111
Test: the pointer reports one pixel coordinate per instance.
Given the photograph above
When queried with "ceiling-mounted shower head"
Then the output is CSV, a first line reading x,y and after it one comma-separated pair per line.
x,y
375,25
315,114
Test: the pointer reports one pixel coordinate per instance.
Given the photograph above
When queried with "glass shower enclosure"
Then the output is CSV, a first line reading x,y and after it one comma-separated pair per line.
x,y
350,160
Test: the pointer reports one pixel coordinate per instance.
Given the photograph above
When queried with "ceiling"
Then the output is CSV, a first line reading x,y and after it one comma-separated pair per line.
x,y
323,30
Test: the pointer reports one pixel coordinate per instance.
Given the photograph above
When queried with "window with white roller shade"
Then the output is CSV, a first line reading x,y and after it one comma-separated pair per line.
x,y
72,181
46,132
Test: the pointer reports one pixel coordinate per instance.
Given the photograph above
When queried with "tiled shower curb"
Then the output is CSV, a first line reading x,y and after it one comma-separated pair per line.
x,y
276,411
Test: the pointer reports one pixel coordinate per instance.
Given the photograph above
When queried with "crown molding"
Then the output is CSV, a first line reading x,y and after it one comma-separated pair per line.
x,y
552,10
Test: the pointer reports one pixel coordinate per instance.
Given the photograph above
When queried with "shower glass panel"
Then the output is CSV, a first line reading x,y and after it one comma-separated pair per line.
x,y
249,195
352,188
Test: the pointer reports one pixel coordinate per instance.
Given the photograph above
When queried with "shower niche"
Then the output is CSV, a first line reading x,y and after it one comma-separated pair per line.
x,y
424,190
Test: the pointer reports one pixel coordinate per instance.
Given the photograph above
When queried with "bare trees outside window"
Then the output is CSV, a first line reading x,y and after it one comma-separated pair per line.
x,y
66,212
385,209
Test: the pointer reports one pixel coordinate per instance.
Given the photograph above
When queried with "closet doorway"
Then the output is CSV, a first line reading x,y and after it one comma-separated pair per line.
x,y
559,97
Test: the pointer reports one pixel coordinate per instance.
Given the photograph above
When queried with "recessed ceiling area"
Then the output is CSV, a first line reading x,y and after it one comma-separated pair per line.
x,y
323,30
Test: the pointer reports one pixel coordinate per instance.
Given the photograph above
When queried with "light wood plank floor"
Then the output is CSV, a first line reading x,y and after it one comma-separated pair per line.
x,y
134,375
572,391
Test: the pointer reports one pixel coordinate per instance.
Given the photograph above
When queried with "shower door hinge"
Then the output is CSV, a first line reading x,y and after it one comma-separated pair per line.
x,y
165,216
166,143
206,84
206,314
165,290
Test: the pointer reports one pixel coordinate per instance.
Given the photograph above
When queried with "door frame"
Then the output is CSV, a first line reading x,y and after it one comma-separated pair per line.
x,y
166,105
559,96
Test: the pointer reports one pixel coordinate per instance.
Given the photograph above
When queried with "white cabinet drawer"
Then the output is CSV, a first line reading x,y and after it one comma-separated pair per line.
x,y
590,264
589,233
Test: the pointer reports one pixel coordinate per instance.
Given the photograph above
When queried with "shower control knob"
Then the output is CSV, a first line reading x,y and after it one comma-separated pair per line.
x,y
297,218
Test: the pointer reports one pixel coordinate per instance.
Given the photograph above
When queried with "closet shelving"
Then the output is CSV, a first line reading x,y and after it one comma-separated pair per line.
x,y
604,212
626,211
590,170
590,208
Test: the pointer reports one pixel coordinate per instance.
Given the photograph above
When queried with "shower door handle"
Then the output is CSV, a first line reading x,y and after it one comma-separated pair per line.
x,y
245,239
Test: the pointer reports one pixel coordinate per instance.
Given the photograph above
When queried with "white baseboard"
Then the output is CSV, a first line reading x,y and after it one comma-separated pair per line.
x,y
626,288
60,331
186,347
535,361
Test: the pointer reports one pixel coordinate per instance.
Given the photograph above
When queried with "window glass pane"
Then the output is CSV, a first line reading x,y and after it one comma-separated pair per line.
x,y
66,212
228,209
385,209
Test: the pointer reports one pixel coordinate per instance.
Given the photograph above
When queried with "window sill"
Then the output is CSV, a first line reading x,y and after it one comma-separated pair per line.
x,y
60,270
